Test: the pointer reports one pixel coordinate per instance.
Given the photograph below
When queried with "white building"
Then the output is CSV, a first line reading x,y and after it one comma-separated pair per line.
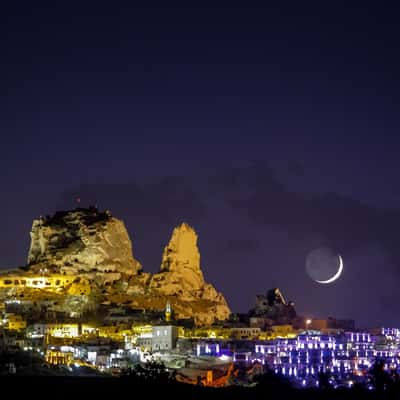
x,y
164,337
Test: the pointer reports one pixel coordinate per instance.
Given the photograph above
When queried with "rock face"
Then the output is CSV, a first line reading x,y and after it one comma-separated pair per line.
x,y
83,240
181,260
274,307
182,251
94,249
180,276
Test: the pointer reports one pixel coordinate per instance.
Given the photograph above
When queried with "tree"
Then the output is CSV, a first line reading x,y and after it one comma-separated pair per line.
x,y
152,372
380,378
273,382
323,379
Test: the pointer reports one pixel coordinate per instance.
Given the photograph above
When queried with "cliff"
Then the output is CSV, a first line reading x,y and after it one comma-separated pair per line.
x,y
85,252
83,240
181,276
273,307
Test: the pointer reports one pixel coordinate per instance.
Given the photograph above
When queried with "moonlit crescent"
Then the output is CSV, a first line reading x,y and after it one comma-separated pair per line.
x,y
338,273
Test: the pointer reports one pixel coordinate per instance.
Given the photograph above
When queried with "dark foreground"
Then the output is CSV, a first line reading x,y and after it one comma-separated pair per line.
x,y
113,388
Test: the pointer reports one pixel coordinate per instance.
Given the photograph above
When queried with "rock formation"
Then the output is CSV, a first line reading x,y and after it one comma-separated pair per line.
x,y
180,265
83,240
273,307
86,252
180,276
182,251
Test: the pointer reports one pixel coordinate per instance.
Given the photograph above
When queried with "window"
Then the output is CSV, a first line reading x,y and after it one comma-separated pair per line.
x,y
158,333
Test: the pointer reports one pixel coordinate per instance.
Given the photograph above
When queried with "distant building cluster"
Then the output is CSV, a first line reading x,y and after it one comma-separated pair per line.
x,y
84,303
210,354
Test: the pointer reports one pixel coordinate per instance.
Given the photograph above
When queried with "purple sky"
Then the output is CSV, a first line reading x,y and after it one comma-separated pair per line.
x,y
271,131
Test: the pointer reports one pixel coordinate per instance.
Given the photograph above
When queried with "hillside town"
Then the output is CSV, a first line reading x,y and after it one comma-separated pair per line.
x,y
83,306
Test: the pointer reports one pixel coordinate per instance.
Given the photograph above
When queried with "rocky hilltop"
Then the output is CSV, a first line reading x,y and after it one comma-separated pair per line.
x,y
274,308
83,240
88,254
180,276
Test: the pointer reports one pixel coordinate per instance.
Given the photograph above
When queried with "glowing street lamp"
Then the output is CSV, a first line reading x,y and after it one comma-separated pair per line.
x,y
308,323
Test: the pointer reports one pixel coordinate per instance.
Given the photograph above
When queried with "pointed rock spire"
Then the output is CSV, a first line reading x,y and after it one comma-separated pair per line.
x,y
182,252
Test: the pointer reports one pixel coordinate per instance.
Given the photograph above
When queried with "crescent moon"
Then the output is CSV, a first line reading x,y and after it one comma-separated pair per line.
x,y
338,273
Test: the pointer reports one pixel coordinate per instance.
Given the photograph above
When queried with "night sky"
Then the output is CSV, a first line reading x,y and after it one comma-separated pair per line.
x,y
271,131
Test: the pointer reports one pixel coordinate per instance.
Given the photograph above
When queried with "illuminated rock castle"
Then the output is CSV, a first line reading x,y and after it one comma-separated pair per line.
x,y
84,257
